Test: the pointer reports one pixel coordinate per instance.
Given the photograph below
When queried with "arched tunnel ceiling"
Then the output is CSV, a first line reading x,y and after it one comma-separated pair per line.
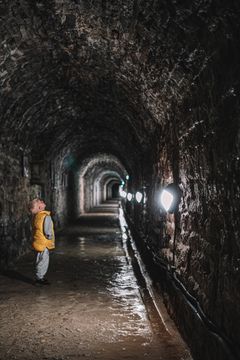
x,y
98,75
62,78
101,165
95,170
108,177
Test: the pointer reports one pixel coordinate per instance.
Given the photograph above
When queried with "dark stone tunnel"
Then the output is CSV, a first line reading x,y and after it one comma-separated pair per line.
x,y
95,91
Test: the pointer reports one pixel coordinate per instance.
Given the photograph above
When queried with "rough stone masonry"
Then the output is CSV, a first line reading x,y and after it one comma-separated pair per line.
x,y
153,83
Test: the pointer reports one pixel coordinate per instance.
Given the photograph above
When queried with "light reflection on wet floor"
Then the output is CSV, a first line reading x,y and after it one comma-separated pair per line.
x,y
92,309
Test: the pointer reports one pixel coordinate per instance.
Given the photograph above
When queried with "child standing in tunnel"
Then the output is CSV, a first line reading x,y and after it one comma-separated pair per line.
x,y
43,238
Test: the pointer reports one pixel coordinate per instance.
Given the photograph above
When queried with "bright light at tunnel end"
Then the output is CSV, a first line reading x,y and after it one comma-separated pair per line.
x,y
166,199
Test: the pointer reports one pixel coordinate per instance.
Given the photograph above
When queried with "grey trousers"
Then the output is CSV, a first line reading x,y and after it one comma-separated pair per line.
x,y
42,262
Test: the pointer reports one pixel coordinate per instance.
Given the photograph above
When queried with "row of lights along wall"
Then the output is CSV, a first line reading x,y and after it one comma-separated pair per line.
x,y
170,196
169,200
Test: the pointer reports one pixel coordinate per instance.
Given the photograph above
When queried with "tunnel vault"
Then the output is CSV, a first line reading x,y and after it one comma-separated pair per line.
x,y
93,90
92,179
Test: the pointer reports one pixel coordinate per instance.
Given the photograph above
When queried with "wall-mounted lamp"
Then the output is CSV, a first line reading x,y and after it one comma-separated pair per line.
x,y
138,196
127,177
122,193
170,197
129,196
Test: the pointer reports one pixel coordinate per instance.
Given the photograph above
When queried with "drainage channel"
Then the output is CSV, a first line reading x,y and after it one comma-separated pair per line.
x,y
156,310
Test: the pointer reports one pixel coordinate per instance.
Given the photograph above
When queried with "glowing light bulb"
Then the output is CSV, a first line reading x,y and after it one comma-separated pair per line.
x,y
166,199
129,196
122,193
138,196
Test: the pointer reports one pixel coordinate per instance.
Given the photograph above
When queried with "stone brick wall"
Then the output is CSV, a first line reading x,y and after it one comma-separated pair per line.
x,y
199,150
208,244
14,197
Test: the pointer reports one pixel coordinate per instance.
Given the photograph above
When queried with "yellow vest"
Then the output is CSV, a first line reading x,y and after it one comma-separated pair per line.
x,y
40,242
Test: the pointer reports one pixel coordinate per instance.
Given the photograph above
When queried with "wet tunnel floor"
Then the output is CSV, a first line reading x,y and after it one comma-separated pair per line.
x,y
93,308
